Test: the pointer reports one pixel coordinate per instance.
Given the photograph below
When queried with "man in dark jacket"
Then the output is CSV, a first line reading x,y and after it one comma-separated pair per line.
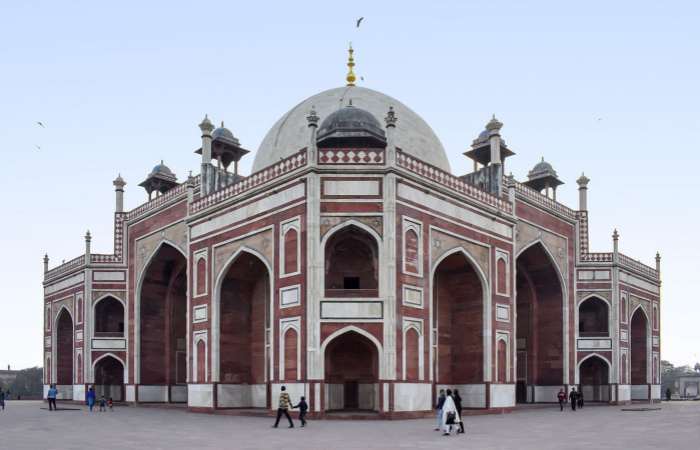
x,y
458,404
573,398
438,409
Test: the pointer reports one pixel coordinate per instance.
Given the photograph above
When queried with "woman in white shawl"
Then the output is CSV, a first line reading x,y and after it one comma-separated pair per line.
x,y
450,415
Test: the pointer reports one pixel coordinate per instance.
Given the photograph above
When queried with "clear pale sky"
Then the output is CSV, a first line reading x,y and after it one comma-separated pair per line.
x,y
609,88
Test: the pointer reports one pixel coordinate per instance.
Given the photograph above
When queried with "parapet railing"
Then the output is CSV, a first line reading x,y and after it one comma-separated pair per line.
x,y
633,264
256,179
160,200
450,181
597,257
543,201
66,267
354,156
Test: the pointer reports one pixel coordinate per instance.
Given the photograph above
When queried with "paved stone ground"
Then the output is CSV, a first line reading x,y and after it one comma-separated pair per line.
x,y
24,425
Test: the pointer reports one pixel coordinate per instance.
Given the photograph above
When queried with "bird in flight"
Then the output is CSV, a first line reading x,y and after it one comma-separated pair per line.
x,y
41,124
359,21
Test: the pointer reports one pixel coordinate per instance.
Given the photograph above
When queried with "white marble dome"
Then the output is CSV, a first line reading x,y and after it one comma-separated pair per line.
x,y
290,134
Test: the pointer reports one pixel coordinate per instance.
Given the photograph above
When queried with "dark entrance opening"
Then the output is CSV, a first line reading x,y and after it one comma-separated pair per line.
x,y
352,373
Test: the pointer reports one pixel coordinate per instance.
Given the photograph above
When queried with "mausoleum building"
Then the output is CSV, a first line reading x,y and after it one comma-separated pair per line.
x,y
355,268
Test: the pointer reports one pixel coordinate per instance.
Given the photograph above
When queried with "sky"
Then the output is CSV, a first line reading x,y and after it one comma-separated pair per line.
x,y
606,88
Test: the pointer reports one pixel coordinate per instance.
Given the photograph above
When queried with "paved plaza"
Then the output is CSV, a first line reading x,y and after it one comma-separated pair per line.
x,y
24,425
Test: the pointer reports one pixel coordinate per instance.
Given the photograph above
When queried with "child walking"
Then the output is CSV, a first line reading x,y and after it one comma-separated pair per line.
x,y
103,404
110,403
303,408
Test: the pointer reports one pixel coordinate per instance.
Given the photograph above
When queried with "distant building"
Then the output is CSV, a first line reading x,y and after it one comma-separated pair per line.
x,y
8,376
353,267
687,386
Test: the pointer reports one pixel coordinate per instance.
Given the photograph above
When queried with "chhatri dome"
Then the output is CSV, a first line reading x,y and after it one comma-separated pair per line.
x,y
290,134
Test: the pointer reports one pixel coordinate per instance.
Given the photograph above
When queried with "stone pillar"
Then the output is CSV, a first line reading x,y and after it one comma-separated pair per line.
x,y
658,264
616,249
88,239
390,121
312,152
119,184
583,192
494,128
206,177
46,262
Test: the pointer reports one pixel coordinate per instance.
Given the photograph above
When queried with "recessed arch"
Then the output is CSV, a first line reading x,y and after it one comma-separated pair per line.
x,y
640,346
109,373
216,309
594,375
460,295
594,317
64,328
351,258
542,322
358,330
161,322
351,370
108,316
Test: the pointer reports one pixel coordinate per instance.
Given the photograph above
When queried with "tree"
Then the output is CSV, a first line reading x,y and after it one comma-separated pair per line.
x,y
669,374
28,384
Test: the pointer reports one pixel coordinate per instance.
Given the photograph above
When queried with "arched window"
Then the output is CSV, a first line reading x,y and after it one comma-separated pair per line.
x,y
623,369
593,318
623,309
351,264
109,318
290,354
291,246
79,377
201,276
79,312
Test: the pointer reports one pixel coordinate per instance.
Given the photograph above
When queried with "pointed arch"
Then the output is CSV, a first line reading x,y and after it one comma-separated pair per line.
x,y
360,331
595,320
108,375
216,309
350,275
543,329
594,355
138,306
486,326
64,340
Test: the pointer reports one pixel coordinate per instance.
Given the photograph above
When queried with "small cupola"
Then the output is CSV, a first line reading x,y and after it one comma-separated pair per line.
x,y
225,148
351,127
482,150
543,177
160,180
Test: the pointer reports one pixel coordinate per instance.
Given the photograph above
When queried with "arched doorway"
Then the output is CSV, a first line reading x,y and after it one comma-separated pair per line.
x,y
539,303
244,319
109,378
351,263
593,318
109,318
163,327
638,353
594,379
458,299
351,364
64,352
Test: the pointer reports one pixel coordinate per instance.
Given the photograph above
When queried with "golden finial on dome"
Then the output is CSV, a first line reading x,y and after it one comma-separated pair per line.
x,y
350,78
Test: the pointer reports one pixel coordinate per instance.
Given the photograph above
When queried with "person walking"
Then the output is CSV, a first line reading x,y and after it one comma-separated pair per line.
x,y
450,417
110,403
103,404
283,408
561,396
2,399
573,397
91,398
579,398
51,397
458,404
303,408
438,409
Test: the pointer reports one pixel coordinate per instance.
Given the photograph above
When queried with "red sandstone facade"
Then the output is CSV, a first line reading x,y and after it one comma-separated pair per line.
x,y
362,277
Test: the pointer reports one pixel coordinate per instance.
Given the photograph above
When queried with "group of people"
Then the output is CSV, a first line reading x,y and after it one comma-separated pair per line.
x,y
449,412
90,399
285,403
575,398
